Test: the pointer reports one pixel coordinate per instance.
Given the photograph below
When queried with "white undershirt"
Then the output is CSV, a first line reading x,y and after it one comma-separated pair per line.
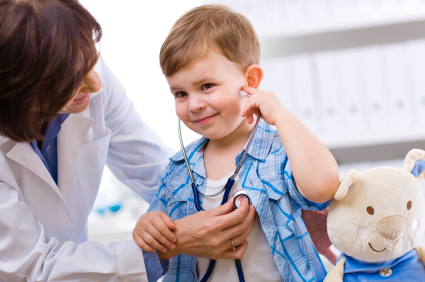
x,y
257,262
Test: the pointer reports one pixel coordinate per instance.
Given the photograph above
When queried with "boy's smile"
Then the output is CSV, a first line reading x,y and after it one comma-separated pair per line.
x,y
205,119
207,95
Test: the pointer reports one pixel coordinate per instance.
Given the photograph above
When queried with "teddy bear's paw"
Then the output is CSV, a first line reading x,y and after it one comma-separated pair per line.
x,y
337,273
421,253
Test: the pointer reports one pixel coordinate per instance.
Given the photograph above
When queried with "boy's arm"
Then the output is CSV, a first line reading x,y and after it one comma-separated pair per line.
x,y
313,166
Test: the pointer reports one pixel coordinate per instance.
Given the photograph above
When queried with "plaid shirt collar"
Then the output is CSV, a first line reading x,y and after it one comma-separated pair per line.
x,y
259,149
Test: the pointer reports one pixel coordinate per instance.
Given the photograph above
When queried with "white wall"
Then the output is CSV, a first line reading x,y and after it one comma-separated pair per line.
x,y
133,32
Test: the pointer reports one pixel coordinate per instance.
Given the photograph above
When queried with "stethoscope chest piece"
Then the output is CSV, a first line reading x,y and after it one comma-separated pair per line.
x,y
239,197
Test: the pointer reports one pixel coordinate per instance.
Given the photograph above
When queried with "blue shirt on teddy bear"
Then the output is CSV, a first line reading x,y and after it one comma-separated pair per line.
x,y
405,268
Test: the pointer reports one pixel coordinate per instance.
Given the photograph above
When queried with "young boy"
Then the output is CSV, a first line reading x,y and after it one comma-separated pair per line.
x,y
210,55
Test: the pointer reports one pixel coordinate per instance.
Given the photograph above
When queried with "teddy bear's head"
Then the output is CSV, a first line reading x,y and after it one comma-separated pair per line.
x,y
379,214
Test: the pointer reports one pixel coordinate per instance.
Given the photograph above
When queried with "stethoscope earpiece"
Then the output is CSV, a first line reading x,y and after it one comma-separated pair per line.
x,y
244,94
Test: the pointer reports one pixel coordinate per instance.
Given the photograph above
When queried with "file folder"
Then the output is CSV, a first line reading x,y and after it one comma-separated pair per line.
x,y
372,86
329,78
395,73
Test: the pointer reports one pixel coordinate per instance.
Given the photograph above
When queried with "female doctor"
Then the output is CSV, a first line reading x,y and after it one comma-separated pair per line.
x,y
63,116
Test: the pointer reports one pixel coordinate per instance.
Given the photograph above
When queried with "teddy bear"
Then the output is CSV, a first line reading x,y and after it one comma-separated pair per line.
x,y
376,219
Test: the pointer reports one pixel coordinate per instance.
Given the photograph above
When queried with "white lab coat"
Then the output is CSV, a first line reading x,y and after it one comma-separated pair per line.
x,y
43,226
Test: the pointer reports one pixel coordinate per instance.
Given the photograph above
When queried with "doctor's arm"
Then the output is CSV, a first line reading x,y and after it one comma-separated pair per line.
x,y
27,253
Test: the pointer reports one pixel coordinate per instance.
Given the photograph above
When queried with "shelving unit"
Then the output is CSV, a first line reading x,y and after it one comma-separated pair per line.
x,y
322,30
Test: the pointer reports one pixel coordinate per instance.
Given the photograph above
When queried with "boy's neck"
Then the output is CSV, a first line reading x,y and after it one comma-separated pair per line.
x,y
220,154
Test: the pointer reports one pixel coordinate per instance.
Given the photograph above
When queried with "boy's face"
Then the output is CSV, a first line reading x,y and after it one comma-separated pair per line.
x,y
207,95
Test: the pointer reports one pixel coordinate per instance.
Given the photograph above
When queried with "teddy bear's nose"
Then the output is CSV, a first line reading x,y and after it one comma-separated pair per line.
x,y
392,227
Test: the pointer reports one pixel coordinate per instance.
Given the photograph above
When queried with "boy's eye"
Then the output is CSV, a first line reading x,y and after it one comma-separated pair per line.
x,y
206,86
181,94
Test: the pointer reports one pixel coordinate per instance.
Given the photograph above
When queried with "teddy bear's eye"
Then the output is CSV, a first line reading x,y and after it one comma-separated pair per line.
x,y
370,210
409,205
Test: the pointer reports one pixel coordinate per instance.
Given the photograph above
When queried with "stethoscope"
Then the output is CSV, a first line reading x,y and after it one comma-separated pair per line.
x,y
236,200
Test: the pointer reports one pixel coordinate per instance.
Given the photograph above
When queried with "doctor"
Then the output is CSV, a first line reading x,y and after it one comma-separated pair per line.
x,y
63,116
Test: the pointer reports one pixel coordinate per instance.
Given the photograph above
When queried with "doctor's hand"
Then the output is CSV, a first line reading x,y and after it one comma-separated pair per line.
x,y
265,102
315,221
153,232
207,234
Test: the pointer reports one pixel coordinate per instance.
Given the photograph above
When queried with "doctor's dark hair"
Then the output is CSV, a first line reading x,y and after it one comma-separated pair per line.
x,y
209,28
46,49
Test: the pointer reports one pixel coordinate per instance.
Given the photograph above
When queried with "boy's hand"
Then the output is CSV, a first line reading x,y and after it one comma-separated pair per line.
x,y
265,102
152,232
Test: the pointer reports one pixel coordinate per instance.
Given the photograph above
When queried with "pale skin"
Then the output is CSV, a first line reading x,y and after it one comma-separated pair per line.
x,y
207,99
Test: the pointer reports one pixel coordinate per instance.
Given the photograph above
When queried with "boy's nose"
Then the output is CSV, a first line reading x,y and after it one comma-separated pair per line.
x,y
196,104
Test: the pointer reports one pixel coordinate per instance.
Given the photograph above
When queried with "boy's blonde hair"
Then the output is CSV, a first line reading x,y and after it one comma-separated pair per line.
x,y
209,28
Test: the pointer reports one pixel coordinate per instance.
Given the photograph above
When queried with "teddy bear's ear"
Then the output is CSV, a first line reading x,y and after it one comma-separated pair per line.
x,y
415,163
346,182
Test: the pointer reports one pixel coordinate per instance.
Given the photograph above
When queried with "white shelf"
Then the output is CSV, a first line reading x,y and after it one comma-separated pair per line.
x,y
319,26
346,138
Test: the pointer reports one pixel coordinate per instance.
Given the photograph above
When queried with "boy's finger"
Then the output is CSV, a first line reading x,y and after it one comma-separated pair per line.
x,y
251,90
151,241
142,244
250,108
165,231
156,234
168,221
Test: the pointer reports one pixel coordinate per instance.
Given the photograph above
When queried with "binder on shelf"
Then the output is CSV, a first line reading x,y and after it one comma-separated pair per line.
x,y
415,51
344,8
395,74
372,87
299,78
390,6
368,7
272,14
351,93
276,80
295,10
318,9
329,78
251,10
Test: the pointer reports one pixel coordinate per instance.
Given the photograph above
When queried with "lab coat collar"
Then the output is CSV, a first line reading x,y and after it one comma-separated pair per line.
x,y
3,140
70,139
24,154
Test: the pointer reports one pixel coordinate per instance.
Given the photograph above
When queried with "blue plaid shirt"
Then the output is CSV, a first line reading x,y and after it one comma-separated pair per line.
x,y
267,178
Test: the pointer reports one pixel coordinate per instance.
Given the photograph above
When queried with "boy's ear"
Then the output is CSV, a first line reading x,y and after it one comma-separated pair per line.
x,y
253,76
